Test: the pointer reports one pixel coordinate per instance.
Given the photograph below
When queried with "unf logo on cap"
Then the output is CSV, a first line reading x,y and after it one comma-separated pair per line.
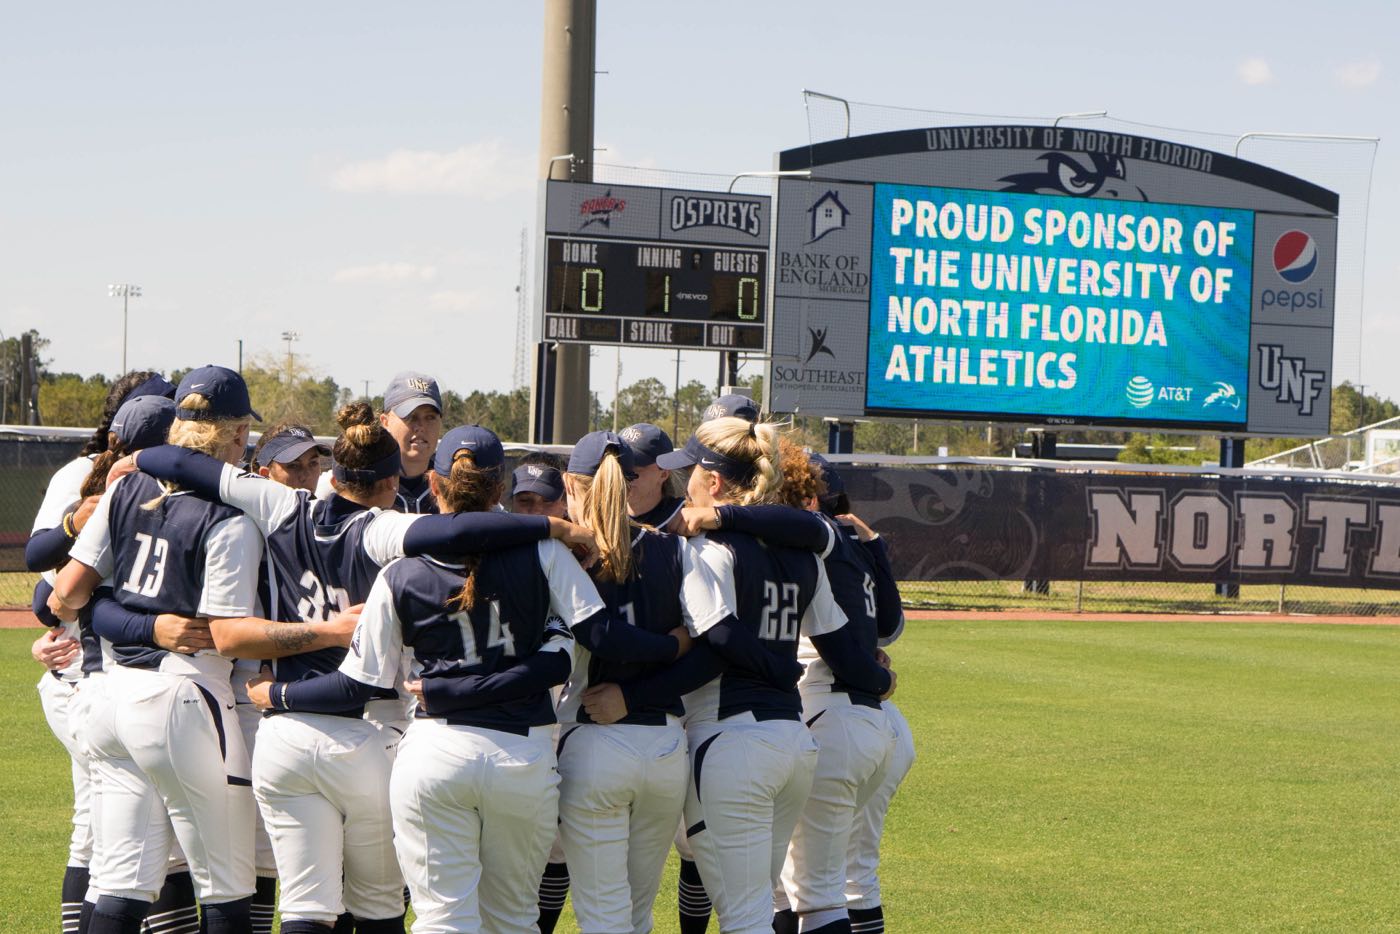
x,y
419,384
533,471
631,434
714,411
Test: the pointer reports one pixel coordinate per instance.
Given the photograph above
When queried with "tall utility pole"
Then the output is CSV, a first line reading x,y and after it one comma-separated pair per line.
x,y
566,127
125,292
290,336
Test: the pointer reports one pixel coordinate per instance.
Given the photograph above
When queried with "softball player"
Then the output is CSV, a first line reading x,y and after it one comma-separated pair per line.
x,y
738,724
67,649
537,489
289,454
475,773
167,755
321,780
655,496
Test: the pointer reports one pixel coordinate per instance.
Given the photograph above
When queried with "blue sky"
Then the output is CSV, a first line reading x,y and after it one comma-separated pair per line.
x,y
360,173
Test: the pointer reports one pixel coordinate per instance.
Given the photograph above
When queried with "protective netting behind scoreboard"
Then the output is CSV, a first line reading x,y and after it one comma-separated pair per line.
x,y
1341,165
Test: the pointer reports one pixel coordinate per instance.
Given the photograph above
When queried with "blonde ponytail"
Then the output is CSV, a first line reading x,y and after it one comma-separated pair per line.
x,y
468,488
604,499
755,444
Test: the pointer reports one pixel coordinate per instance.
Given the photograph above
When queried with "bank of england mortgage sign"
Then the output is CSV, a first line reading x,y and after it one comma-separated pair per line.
x,y
655,267
1052,276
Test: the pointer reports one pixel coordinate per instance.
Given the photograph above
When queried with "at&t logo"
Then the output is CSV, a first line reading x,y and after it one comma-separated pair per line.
x,y
1140,392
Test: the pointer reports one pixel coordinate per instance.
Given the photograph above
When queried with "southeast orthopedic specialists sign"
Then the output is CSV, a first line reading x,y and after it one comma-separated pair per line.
x,y
971,522
1051,276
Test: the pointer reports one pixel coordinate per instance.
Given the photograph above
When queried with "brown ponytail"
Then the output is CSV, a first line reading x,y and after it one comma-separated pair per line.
x,y
363,442
801,481
468,488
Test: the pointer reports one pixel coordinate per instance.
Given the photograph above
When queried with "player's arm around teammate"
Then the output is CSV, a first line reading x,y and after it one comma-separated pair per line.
x,y
166,748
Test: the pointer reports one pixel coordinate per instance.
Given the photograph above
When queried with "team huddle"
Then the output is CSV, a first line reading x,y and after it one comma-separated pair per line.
x,y
333,695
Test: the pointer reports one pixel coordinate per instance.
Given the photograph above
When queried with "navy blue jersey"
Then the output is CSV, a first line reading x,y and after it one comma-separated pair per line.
x,y
526,598
850,568
157,558
778,594
660,515
415,496
650,600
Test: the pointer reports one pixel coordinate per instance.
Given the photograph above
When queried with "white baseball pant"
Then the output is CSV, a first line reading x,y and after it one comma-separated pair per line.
x,y
264,861
460,793
170,762
749,780
855,743
863,852
622,789
322,785
61,705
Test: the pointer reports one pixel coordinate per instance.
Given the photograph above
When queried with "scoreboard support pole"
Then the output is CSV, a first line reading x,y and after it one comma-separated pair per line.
x,y
728,370
840,437
1231,455
542,392
1042,448
566,126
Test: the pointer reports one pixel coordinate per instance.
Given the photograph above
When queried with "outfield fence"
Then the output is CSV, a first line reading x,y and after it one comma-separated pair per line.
x,y
1013,534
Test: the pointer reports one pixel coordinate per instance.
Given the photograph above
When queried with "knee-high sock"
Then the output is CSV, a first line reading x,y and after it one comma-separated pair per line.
x,y
113,915
75,885
692,900
233,917
554,888
174,910
868,920
264,904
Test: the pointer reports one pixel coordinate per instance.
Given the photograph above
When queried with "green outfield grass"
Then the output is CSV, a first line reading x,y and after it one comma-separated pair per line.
x,y
1071,776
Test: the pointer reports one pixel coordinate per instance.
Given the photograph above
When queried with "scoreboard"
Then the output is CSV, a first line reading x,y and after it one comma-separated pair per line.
x,y
652,267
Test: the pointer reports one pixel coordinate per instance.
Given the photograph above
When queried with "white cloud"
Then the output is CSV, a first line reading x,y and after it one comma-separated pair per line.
x,y
1359,74
484,170
1255,71
448,300
382,273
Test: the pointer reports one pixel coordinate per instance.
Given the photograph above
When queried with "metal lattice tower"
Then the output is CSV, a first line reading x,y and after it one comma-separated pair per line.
x,y
521,376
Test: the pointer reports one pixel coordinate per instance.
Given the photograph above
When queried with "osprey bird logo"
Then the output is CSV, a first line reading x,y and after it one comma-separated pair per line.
x,y
818,344
1224,395
1066,175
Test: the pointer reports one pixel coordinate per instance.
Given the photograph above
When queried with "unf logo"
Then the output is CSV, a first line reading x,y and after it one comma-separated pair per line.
x,y
714,411
534,471
631,434
687,212
1288,376
418,383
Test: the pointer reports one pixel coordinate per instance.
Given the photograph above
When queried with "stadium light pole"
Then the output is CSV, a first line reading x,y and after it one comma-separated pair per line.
x,y
290,336
126,292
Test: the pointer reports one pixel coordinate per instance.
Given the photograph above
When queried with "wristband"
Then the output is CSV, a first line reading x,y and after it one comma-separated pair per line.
x,y
282,701
68,528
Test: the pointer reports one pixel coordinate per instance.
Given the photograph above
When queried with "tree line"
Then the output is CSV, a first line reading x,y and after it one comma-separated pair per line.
x,y
294,390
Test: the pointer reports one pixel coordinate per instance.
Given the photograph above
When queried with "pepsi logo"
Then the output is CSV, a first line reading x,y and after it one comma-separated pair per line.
x,y
1295,256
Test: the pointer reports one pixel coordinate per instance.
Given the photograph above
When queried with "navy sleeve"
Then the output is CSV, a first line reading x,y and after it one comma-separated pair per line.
x,y
473,533
889,605
117,624
42,591
785,526
46,549
609,637
535,674
332,692
850,663
191,470
736,645
697,667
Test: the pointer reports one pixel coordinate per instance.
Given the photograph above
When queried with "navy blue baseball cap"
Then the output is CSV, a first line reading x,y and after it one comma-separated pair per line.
x,y
485,448
733,404
289,444
696,453
647,443
589,451
225,390
143,422
154,386
408,390
835,486
537,478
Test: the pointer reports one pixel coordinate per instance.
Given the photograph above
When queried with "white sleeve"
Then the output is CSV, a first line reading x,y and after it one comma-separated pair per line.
x,y
823,615
62,492
376,650
323,486
93,545
572,596
383,538
267,502
232,553
707,587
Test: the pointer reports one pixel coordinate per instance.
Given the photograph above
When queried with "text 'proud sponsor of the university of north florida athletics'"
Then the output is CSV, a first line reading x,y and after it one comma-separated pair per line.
x,y
990,302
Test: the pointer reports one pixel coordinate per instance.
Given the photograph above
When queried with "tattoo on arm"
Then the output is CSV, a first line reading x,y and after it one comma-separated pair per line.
x,y
289,637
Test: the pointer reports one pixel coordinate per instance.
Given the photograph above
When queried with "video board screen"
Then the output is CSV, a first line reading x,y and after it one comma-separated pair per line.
x,y
1045,307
